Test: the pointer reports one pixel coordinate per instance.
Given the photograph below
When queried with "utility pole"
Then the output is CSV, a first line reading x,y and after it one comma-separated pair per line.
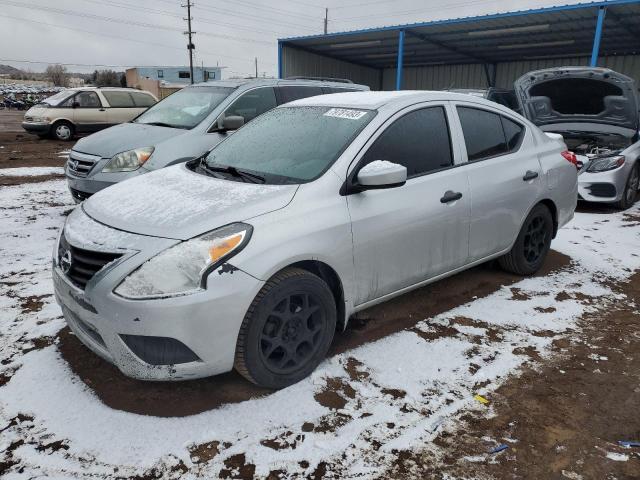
x,y
326,20
256,67
190,46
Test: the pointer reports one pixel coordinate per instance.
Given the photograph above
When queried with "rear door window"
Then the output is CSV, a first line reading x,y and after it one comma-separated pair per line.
x,y
142,99
252,103
87,100
487,134
118,99
513,132
483,134
289,93
419,140
339,90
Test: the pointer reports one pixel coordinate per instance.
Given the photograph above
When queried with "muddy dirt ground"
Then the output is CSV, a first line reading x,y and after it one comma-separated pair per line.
x,y
561,417
564,417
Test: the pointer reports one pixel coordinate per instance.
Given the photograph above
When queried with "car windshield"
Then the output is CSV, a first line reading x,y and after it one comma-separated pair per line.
x,y
58,98
186,108
290,144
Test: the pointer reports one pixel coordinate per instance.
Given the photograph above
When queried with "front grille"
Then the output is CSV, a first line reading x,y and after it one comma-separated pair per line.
x,y
81,265
80,164
28,119
78,195
602,190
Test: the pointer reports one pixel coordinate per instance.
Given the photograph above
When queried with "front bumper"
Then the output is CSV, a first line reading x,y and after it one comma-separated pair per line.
x,y
206,323
83,186
603,187
37,128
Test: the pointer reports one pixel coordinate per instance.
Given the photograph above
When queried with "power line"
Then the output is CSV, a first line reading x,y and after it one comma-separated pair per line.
x,y
413,12
118,37
128,22
261,19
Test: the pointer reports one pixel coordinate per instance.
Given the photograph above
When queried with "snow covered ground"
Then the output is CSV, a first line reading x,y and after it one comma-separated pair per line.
x,y
355,412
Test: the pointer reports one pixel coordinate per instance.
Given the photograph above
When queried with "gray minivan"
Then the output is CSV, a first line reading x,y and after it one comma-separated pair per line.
x,y
182,127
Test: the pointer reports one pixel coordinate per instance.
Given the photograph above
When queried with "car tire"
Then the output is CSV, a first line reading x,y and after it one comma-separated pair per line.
x,y
287,330
532,245
631,187
63,131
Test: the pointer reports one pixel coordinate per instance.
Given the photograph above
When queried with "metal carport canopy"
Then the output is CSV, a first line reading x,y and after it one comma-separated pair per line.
x,y
586,29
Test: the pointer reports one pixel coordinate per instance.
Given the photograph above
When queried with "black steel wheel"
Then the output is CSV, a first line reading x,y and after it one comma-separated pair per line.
x,y
287,330
532,245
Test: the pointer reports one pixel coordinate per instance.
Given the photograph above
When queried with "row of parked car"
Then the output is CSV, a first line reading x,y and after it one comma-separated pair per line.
x,y
249,250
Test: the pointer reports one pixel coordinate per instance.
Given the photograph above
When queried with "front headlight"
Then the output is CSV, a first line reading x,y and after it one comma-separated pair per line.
x,y
604,164
183,269
128,161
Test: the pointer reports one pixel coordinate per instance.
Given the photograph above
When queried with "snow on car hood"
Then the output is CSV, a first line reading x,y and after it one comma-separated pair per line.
x,y
579,95
178,203
123,137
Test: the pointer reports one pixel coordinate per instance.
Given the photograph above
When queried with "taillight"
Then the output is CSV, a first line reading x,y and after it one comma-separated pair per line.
x,y
570,157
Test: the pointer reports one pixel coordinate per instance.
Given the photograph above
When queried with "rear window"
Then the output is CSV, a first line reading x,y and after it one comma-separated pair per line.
x,y
576,96
118,99
143,99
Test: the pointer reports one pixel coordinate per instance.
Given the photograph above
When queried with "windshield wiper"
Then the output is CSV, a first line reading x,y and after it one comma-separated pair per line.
x,y
252,177
163,124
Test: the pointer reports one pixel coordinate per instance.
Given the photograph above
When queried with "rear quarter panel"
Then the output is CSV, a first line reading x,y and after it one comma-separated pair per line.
x,y
561,176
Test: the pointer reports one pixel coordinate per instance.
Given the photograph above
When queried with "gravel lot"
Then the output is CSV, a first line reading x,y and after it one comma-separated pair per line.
x,y
555,356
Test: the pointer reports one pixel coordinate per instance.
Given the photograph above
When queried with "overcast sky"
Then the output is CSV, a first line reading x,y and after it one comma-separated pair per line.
x,y
97,34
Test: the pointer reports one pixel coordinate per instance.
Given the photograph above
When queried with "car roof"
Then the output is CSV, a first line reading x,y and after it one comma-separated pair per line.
x,y
376,100
250,82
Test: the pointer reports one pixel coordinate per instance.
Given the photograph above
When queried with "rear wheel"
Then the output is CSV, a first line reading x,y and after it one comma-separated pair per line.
x,y
62,130
287,330
532,245
631,188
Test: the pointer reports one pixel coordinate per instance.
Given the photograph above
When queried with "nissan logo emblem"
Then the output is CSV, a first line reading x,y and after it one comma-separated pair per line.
x,y
65,261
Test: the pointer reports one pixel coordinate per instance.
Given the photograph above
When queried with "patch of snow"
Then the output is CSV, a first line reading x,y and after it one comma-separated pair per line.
x,y
617,457
435,375
30,171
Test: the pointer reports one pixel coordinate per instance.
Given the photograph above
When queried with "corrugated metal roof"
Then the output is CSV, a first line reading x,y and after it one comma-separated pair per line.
x,y
560,31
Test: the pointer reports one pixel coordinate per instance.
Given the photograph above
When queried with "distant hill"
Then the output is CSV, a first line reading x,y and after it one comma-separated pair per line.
x,y
9,70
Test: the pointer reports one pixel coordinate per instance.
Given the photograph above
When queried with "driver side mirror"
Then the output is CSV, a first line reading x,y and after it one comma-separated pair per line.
x,y
232,122
380,174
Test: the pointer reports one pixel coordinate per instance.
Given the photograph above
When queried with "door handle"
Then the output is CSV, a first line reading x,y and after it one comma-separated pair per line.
x,y
530,175
450,196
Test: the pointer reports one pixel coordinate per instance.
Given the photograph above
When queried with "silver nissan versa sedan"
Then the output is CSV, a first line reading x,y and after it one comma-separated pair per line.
x,y
253,255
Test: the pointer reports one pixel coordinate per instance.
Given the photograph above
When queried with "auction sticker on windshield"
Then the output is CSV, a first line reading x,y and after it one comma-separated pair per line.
x,y
345,113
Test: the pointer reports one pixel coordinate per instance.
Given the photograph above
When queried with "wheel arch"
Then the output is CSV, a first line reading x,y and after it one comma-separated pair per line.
x,y
550,204
333,281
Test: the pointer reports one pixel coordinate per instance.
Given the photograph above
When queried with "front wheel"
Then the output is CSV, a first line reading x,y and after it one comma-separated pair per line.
x,y
532,245
62,131
287,330
630,189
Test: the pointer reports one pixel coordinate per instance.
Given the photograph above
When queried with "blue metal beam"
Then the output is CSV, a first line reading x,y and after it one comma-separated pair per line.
x,y
279,58
602,11
400,60
453,21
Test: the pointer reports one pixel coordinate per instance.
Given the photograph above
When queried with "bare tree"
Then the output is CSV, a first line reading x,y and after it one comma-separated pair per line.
x,y
106,78
58,75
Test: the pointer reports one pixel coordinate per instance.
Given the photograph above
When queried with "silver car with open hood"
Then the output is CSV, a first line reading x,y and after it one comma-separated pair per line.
x,y
253,255
596,111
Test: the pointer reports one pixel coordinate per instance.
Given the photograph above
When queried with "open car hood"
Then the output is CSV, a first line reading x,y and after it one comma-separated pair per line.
x,y
177,203
579,95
